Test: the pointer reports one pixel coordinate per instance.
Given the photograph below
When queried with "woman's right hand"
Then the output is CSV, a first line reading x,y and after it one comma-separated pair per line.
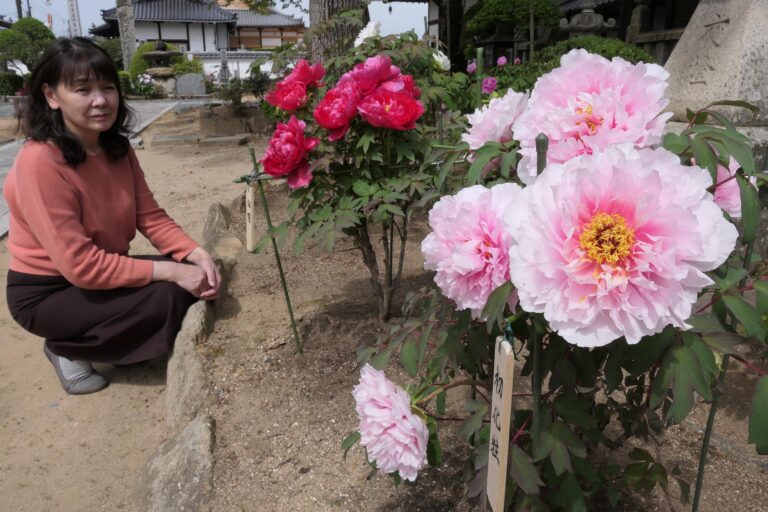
x,y
190,277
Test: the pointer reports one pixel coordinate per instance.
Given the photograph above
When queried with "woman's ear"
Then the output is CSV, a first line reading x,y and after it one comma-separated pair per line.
x,y
50,97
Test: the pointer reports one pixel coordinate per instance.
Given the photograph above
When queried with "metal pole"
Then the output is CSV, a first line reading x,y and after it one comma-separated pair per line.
x,y
277,255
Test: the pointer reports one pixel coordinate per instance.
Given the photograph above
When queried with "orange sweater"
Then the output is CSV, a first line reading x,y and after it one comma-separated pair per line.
x,y
79,222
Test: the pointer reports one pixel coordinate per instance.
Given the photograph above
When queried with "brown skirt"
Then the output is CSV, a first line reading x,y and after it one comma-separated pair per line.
x,y
119,326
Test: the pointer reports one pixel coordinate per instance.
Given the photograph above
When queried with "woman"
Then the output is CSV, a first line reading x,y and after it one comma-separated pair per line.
x,y
77,195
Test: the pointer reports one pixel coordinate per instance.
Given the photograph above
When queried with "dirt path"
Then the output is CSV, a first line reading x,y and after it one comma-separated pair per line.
x,y
64,453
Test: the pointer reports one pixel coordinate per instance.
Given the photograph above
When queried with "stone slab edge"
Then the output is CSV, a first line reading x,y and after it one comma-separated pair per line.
x,y
179,475
154,118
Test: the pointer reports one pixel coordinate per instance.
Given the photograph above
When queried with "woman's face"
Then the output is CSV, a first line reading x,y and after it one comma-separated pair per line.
x,y
88,107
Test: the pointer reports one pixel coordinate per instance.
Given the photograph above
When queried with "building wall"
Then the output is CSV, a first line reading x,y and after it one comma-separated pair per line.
x,y
215,35
433,18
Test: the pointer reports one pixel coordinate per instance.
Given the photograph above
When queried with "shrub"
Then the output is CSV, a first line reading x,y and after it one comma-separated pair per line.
x,y
139,65
25,41
232,92
257,82
125,82
114,49
10,83
522,77
185,66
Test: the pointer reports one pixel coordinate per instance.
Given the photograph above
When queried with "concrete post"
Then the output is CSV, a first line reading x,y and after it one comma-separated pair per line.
x,y
126,25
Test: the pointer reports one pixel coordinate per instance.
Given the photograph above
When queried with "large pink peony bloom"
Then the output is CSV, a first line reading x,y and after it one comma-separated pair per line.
x,y
590,103
286,155
395,438
369,74
468,246
386,109
616,244
493,122
337,109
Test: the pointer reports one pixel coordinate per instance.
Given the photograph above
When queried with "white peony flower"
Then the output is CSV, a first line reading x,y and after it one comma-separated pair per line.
x,y
372,29
442,60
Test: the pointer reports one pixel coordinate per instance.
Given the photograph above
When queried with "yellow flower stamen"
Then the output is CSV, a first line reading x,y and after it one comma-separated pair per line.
x,y
607,239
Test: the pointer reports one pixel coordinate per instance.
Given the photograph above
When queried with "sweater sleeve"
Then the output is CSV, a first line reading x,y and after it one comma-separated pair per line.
x,y
51,207
154,223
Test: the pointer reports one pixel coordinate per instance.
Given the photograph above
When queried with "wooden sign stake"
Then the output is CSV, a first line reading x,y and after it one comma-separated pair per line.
x,y
250,213
501,419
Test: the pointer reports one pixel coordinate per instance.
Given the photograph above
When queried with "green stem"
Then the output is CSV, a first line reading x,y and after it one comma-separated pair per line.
x,y
456,383
715,402
277,257
536,388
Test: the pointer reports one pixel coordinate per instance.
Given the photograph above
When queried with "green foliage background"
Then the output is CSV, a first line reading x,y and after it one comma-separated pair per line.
x,y
25,41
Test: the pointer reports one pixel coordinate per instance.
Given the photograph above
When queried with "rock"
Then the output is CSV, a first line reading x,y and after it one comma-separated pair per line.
x,y
238,140
228,248
185,390
221,124
179,477
216,224
723,54
174,139
190,84
160,72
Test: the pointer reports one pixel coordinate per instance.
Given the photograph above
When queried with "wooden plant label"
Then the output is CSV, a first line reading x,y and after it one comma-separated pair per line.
x,y
501,419
250,225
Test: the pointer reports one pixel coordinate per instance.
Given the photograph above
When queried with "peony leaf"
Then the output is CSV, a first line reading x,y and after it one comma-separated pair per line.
x,y
472,424
482,156
758,420
523,471
705,157
409,354
575,410
349,442
493,311
732,277
363,188
742,152
380,360
761,287
571,496
434,451
750,209
735,103
746,315
676,143
722,342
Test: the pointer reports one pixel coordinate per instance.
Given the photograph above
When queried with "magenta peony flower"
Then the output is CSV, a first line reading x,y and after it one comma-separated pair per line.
x,y
286,155
468,245
472,67
590,103
337,109
493,122
386,109
395,437
517,61
501,61
369,74
616,244
489,85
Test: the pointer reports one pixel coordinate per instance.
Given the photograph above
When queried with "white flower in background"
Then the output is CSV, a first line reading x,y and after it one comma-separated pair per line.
x,y
442,60
372,29
145,79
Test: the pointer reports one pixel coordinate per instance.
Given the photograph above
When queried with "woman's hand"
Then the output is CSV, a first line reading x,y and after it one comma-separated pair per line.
x,y
201,259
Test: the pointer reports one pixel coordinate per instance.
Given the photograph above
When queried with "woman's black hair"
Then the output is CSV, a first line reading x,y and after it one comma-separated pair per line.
x,y
65,61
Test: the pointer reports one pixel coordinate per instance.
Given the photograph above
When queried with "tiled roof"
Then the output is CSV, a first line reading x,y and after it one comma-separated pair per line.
x,y
247,18
175,10
577,5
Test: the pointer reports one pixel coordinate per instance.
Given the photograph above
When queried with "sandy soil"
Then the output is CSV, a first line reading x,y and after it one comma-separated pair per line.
x,y
280,416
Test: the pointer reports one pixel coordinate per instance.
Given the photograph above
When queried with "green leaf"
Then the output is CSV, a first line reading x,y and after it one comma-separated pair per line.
x,y
508,162
363,188
440,403
349,442
409,354
705,157
742,152
761,288
563,433
575,410
735,103
746,315
483,155
473,423
639,454
380,360
683,370
758,420
572,495
494,307
731,279
523,471
750,209
434,451
685,490
676,143
722,342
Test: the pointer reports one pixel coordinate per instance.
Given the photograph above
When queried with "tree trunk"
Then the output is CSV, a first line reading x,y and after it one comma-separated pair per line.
x,y
333,40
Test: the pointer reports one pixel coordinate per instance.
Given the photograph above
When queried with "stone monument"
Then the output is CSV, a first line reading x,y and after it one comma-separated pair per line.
x,y
587,22
159,62
125,23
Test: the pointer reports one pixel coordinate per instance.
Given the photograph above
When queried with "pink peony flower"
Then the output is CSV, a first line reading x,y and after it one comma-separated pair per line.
x,y
303,72
616,244
337,109
472,67
468,245
489,85
727,192
517,61
395,437
493,122
286,155
501,61
395,110
369,74
590,103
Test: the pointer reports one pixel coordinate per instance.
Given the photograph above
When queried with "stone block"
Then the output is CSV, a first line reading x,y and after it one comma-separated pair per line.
x,y
179,477
190,84
185,386
236,140
174,139
723,54
214,124
216,225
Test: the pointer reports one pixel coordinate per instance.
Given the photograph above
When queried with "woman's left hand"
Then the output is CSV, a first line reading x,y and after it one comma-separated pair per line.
x,y
200,258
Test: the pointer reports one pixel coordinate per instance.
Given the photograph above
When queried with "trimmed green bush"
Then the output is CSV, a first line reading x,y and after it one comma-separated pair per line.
x,y
114,49
139,65
10,83
187,66
125,82
522,77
